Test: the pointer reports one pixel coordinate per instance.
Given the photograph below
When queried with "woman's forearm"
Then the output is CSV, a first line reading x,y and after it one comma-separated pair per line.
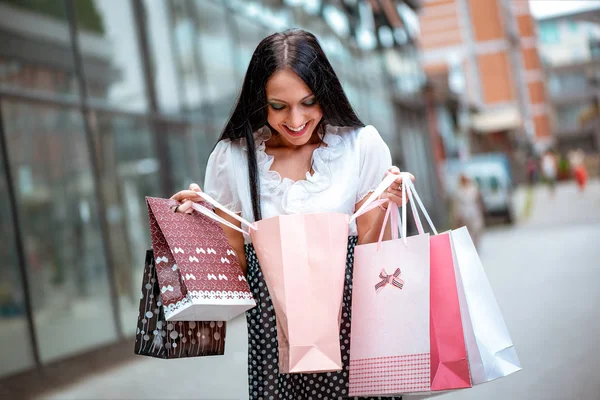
x,y
376,222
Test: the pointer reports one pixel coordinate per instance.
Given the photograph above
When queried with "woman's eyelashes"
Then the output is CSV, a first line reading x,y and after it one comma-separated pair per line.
x,y
279,107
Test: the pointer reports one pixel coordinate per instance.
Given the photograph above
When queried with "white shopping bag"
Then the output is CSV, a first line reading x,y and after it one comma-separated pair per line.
x,y
490,349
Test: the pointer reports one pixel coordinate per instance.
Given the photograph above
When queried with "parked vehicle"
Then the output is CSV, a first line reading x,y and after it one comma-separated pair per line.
x,y
493,177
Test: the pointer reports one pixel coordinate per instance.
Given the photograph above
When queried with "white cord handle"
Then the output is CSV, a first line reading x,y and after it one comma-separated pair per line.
x,y
413,191
211,214
226,211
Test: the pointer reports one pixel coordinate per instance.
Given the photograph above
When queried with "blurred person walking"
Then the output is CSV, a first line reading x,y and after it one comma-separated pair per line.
x,y
468,208
550,169
577,161
532,171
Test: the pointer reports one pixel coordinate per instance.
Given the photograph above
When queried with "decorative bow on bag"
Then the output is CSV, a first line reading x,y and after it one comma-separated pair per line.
x,y
393,279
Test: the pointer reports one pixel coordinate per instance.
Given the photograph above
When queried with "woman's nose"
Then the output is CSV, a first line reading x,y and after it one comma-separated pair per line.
x,y
296,118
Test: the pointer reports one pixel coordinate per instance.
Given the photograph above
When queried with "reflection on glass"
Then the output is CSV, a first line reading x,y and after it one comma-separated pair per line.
x,y
163,54
250,36
15,342
130,171
189,68
221,83
36,47
57,204
110,53
184,158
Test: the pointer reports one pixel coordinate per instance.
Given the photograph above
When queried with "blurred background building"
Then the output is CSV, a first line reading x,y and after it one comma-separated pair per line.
x,y
486,51
570,50
103,102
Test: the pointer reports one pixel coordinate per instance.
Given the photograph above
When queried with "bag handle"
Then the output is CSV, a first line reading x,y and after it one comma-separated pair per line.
x,y
211,214
392,212
413,191
366,207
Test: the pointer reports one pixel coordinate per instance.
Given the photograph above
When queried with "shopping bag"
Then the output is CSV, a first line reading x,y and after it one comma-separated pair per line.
x,y
390,349
198,272
449,361
303,260
156,337
491,352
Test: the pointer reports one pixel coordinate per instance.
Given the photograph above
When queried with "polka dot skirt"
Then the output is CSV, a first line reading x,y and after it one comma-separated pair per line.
x,y
264,379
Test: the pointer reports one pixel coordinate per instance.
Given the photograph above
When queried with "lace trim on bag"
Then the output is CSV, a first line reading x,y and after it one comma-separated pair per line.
x,y
206,295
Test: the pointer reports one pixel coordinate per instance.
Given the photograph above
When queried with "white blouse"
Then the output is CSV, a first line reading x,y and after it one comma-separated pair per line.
x,y
352,164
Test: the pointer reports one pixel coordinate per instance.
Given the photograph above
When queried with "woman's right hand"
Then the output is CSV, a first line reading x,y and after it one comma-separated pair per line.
x,y
187,198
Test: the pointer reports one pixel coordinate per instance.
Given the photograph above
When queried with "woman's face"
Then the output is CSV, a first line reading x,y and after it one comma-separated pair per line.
x,y
293,110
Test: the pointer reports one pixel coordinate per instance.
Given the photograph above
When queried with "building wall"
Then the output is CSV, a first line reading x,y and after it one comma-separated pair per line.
x,y
499,71
533,72
571,68
565,40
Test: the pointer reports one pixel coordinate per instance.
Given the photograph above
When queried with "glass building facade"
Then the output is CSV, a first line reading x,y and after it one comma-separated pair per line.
x,y
104,102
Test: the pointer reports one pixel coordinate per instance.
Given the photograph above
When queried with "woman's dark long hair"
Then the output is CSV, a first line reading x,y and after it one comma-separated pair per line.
x,y
300,52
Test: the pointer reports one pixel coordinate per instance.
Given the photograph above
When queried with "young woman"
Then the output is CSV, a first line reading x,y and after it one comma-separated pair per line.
x,y
293,145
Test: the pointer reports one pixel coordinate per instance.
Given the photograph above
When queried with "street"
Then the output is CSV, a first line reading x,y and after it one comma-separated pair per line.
x,y
544,271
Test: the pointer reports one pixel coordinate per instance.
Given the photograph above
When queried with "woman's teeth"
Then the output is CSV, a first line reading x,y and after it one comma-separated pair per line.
x,y
295,129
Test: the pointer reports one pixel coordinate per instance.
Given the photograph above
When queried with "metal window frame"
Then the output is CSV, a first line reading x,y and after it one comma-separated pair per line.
x,y
84,109
22,258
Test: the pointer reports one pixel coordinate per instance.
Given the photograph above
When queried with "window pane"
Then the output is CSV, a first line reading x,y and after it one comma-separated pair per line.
x,y
250,36
57,204
184,159
221,83
163,54
15,342
130,171
36,50
110,53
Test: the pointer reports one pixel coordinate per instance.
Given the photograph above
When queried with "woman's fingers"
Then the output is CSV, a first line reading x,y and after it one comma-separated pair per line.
x,y
186,207
395,196
194,187
186,195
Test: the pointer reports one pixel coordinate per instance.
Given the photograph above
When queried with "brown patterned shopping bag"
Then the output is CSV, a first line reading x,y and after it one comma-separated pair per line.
x,y
156,337
198,272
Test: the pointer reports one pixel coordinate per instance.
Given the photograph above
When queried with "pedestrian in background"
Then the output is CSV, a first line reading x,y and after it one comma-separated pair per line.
x,y
577,161
550,169
531,166
468,208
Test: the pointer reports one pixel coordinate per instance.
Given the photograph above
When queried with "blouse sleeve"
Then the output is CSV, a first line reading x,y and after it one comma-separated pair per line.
x,y
375,159
220,179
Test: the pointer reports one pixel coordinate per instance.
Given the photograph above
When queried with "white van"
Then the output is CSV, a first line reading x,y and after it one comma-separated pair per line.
x,y
495,186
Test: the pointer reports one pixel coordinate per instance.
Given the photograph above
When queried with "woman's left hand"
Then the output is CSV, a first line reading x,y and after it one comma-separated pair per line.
x,y
394,192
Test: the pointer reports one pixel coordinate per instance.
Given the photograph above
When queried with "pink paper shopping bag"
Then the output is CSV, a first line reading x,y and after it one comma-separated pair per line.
x,y
390,350
303,260
449,361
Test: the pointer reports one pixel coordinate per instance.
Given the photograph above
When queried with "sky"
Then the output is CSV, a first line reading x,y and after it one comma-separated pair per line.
x,y
548,8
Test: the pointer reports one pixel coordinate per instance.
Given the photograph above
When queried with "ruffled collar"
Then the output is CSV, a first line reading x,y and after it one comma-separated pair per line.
x,y
271,182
